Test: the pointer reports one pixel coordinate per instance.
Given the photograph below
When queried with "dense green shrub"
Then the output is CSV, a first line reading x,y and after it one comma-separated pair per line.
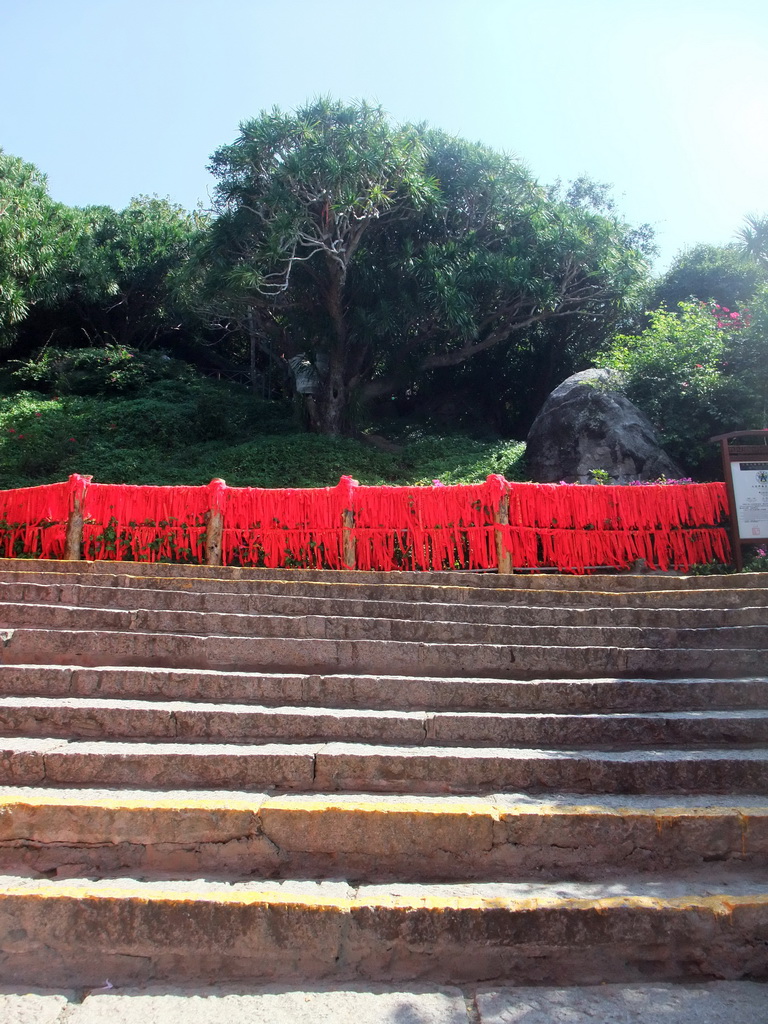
x,y
176,433
691,373
110,370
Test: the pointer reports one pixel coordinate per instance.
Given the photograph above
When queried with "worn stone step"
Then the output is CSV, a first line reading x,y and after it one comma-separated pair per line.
x,y
235,591
384,691
79,932
111,647
361,766
558,610
101,718
488,581
47,616
375,837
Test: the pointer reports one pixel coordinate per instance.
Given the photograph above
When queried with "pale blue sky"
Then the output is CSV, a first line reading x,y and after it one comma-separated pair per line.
x,y
667,101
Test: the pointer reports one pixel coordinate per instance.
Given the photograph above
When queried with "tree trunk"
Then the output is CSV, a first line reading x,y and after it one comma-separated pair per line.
x,y
334,420
253,340
333,415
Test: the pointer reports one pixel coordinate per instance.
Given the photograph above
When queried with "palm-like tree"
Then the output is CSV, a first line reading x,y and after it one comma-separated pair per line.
x,y
754,237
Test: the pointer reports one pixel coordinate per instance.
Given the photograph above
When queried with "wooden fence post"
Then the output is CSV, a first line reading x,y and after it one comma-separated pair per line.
x,y
504,557
349,552
73,539
348,543
215,529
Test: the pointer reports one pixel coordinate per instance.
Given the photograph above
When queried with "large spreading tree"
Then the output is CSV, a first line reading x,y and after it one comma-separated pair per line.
x,y
35,243
382,253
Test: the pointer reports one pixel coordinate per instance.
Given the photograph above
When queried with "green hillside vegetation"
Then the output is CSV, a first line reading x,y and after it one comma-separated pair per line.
x,y
189,429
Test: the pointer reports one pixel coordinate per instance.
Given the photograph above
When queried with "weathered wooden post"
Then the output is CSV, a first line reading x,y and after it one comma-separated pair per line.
x,y
215,529
73,540
348,544
501,518
349,552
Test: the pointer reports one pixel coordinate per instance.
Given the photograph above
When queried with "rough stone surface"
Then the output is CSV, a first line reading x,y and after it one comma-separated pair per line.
x,y
631,929
19,1006
715,1003
276,1005
90,648
710,1003
586,424
72,833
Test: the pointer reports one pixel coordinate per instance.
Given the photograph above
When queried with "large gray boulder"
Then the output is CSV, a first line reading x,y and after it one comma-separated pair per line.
x,y
587,424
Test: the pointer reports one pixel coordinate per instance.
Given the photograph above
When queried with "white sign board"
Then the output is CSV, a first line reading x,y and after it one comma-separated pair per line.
x,y
750,491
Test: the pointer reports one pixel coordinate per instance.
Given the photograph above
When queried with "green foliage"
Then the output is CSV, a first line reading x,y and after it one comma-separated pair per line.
x,y
691,376
754,238
748,363
178,433
723,274
755,560
33,243
126,267
393,252
114,369
460,460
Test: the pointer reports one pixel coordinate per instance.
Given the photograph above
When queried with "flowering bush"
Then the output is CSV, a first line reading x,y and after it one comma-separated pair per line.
x,y
757,562
730,320
697,371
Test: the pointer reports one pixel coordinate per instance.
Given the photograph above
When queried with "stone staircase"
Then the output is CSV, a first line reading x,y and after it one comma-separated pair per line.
x,y
226,774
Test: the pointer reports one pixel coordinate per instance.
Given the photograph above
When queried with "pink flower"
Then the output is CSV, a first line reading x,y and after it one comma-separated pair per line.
x,y
734,316
71,439
38,415
11,430
699,366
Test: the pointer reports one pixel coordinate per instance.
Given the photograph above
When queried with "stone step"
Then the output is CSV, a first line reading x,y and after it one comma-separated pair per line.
x,y
45,616
100,718
93,646
372,837
349,767
79,932
205,729
487,581
219,607
384,691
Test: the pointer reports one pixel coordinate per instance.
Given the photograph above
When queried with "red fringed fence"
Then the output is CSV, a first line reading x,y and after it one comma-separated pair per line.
x,y
496,525
33,520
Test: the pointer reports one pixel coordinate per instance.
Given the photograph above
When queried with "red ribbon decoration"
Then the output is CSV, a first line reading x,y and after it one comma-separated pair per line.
x,y
569,527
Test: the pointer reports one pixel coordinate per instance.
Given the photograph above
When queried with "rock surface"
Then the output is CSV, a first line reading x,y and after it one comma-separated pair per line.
x,y
741,1002
586,424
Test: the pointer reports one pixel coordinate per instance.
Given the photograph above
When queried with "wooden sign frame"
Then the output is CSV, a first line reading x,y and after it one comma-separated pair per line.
x,y
755,451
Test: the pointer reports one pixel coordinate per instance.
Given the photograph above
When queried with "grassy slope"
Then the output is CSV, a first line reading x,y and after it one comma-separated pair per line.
x,y
177,433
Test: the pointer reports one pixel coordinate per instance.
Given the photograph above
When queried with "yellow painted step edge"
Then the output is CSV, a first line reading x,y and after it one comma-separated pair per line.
x,y
370,805
718,905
